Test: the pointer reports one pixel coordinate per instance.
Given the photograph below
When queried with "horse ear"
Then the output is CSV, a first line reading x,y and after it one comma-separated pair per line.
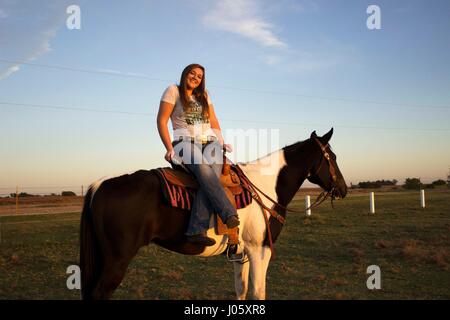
x,y
313,134
326,138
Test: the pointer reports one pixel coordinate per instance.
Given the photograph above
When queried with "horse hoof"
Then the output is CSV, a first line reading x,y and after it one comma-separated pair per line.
x,y
201,239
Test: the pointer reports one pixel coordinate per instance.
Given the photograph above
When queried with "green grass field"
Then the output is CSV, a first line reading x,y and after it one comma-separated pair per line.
x,y
324,256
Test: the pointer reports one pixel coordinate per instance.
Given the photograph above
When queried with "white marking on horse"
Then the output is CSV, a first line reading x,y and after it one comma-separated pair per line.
x,y
94,187
252,227
96,184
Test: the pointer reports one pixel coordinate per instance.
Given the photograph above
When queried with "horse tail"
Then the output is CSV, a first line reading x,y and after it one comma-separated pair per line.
x,y
90,263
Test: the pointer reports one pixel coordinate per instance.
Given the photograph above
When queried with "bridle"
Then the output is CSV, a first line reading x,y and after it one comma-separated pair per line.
x,y
332,170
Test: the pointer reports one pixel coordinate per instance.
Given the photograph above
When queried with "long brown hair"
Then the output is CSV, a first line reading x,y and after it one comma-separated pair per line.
x,y
199,92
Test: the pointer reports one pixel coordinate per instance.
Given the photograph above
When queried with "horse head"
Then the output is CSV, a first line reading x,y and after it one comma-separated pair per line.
x,y
325,171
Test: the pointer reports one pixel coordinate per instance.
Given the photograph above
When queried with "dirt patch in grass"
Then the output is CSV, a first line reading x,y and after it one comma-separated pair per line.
x,y
418,251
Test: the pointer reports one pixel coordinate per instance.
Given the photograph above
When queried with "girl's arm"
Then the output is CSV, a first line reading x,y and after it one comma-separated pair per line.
x,y
165,110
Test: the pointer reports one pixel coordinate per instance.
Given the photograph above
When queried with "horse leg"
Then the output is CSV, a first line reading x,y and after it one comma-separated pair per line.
x,y
259,257
241,271
110,278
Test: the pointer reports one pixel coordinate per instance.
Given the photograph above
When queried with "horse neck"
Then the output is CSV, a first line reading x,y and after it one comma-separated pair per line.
x,y
281,173
264,171
300,158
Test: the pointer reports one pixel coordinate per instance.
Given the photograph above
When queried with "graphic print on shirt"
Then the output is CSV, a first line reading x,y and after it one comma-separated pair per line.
x,y
194,115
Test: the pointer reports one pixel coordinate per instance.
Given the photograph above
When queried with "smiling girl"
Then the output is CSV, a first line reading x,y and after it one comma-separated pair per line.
x,y
198,141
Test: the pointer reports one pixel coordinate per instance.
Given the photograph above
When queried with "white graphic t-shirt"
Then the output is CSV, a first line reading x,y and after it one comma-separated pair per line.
x,y
190,123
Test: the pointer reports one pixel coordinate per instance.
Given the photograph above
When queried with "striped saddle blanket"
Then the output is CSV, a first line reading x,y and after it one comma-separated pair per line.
x,y
179,188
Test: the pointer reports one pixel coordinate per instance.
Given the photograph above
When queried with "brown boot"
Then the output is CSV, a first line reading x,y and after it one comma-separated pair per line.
x,y
202,239
232,221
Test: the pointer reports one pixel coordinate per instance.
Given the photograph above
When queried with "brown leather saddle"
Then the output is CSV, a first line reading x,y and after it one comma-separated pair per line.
x,y
179,189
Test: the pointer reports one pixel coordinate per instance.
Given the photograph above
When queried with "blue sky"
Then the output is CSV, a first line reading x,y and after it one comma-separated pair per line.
x,y
295,66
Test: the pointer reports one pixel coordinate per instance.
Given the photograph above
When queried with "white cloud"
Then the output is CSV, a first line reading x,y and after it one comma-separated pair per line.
x,y
248,18
243,17
26,28
10,70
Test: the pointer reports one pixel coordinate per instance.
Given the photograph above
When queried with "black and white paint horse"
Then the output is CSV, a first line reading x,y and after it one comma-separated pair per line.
x,y
122,214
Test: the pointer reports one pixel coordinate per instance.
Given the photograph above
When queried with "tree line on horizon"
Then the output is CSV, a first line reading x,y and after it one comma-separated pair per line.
x,y
410,184
25,194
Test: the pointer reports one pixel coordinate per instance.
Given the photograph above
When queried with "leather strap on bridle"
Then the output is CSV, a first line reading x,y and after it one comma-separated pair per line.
x,y
332,171
326,156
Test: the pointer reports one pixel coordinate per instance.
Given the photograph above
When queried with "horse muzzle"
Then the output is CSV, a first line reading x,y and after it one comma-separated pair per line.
x,y
338,193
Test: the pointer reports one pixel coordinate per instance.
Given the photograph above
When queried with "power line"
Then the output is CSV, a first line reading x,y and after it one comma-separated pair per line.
x,y
343,126
393,104
93,71
145,77
65,108
59,107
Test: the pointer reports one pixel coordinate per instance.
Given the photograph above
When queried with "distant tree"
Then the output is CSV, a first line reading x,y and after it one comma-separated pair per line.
x,y
21,195
24,194
448,180
377,184
439,182
68,194
412,184
369,184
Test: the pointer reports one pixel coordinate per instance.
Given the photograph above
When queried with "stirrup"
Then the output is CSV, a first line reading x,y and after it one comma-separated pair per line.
x,y
232,256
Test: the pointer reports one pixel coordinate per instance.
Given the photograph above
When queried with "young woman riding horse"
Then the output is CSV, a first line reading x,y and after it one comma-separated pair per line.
x,y
124,213
198,141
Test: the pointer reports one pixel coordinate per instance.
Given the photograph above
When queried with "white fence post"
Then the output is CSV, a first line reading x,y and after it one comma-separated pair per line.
x,y
372,202
308,204
17,199
422,198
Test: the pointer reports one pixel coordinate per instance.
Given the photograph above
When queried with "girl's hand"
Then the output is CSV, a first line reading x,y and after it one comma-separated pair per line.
x,y
169,155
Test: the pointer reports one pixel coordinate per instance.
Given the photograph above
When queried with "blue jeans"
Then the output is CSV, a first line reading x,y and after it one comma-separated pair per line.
x,y
205,162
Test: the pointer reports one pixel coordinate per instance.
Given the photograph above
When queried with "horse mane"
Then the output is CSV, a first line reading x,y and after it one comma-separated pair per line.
x,y
295,146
